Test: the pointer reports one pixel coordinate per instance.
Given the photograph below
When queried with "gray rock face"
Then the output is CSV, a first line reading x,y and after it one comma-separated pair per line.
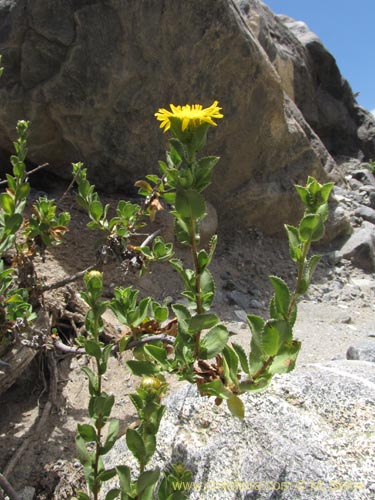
x,y
360,247
366,213
90,75
311,78
338,224
306,437
365,351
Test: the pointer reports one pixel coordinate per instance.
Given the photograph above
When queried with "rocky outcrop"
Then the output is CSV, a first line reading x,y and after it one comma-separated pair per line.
x,y
310,76
90,75
308,436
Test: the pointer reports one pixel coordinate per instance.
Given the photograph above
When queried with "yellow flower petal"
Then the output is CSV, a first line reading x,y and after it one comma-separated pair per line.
x,y
191,116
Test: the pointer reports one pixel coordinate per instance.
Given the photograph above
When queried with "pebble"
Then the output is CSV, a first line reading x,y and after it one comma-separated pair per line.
x,y
255,304
365,351
27,493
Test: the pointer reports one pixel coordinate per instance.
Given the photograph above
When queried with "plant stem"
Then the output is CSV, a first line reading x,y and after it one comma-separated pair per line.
x,y
301,269
8,489
264,367
99,422
198,298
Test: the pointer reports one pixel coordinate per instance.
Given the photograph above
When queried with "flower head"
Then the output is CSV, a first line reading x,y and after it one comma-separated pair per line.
x,y
190,115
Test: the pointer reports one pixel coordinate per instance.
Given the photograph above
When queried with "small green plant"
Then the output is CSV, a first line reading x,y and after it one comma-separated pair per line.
x,y
187,339
199,350
19,290
92,446
101,403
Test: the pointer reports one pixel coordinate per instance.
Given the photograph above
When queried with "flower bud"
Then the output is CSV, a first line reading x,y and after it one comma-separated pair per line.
x,y
94,282
151,384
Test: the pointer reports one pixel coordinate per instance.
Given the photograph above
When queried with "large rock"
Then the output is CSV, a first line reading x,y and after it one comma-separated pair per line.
x,y
90,75
308,436
311,78
360,247
364,351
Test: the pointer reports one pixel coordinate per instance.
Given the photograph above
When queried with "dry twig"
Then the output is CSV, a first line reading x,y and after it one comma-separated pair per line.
x,y
4,484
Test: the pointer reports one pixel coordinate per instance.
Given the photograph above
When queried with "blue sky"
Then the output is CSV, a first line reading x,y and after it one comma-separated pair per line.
x,y
346,28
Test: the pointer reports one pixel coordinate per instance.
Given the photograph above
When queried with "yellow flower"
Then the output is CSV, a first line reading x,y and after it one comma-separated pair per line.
x,y
191,116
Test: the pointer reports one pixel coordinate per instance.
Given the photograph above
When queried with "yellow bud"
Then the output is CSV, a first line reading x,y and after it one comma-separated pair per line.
x,y
151,383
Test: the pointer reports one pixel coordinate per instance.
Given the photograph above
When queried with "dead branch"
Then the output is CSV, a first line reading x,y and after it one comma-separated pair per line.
x,y
168,339
4,484
79,351
65,193
44,165
66,280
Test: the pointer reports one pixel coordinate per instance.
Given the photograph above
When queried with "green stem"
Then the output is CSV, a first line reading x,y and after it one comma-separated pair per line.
x,y
263,368
301,270
99,423
198,297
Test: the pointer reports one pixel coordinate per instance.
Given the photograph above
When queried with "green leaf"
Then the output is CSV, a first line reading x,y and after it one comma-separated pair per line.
x,y
105,355
326,190
112,494
147,479
136,445
207,288
242,357
276,332
92,349
141,312
13,222
260,384
257,355
147,494
82,496
270,340
215,388
178,148
140,368
7,203
310,267
230,362
160,313
87,432
123,472
203,172
93,379
101,406
106,475
214,342
83,454
137,401
303,193
23,191
150,444
159,354
183,316
190,204
285,361
182,231
202,322
203,259
282,294
96,210
236,406
111,439
295,245
256,324
311,228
